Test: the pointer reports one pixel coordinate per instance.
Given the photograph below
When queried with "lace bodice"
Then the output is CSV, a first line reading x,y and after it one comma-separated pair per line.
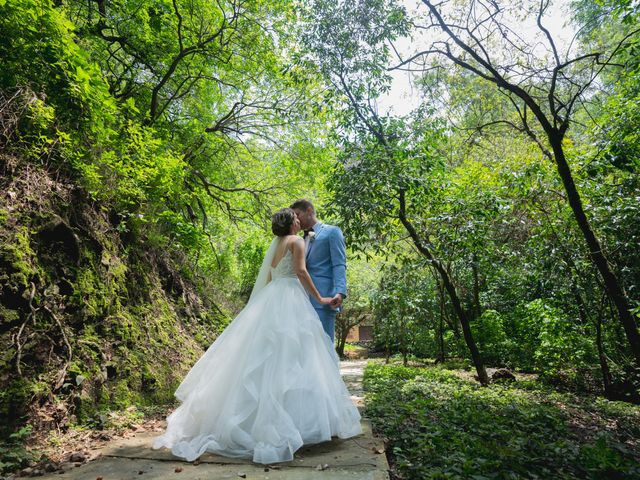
x,y
284,267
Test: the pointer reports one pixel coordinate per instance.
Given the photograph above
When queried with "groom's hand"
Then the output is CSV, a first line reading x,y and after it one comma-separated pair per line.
x,y
336,301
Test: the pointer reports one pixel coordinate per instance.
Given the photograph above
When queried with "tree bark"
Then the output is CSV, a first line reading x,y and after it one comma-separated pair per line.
x,y
476,286
340,347
453,325
555,128
441,355
451,290
607,379
611,282
342,331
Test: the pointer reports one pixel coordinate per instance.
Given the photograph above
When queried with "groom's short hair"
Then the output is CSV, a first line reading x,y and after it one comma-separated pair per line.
x,y
302,204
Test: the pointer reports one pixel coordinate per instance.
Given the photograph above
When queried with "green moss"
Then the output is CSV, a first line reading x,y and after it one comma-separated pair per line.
x,y
89,335
88,292
40,388
122,396
100,284
116,269
85,408
127,328
13,400
103,395
119,315
18,268
19,260
80,371
8,315
200,338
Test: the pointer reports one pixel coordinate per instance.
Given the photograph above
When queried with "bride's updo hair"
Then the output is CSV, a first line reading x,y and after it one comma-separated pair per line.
x,y
281,222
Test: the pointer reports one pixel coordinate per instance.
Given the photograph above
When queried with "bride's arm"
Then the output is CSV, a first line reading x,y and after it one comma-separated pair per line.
x,y
300,267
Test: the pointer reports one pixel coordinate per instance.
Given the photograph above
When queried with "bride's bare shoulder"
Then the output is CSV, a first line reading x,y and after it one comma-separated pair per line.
x,y
295,240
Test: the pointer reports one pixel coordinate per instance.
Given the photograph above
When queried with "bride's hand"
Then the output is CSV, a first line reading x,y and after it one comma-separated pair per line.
x,y
325,300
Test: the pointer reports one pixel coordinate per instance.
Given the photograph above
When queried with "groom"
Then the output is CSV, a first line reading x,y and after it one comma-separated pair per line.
x,y
326,262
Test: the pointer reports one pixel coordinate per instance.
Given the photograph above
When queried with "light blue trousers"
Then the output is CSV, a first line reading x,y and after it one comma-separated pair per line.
x,y
328,319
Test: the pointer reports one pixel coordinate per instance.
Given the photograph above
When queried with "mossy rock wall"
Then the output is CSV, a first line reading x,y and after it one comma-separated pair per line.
x,y
89,321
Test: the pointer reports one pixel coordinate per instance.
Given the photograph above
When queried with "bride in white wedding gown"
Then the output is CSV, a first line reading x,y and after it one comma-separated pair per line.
x,y
271,381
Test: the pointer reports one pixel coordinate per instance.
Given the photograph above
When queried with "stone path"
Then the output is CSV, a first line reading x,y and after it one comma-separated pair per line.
x,y
359,458
351,371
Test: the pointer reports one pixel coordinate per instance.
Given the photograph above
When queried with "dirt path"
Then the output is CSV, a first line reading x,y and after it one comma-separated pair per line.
x,y
357,458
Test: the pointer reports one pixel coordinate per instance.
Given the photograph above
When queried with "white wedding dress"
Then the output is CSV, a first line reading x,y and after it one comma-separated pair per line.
x,y
269,384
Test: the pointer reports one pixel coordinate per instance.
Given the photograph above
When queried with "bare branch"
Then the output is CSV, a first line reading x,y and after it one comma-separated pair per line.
x,y
543,6
179,32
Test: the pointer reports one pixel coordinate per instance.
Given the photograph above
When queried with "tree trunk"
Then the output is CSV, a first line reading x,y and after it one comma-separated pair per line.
x,y
453,325
611,282
582,311
607,380
342,340
451,290
476,286
466,328
475,52
441,332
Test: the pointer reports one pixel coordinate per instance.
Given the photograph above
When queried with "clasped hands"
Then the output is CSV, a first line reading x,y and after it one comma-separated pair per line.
x,y
333,302
336,301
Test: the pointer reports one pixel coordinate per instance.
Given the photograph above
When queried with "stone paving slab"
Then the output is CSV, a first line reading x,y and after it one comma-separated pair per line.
x,y
133,469
361,457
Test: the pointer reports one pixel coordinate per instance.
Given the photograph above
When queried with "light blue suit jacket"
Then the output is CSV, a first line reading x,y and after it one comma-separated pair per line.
x,y
327,262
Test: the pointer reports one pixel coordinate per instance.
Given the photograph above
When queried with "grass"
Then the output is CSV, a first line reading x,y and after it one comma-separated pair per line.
x,y
348,347
440,425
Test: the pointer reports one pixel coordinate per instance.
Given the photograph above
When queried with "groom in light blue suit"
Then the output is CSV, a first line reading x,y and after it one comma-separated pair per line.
x,y
326,262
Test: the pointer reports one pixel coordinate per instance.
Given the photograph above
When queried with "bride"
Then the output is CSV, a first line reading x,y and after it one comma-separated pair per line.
x,y
271,381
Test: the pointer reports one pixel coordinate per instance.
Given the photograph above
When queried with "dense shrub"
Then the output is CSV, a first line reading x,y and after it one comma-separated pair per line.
x,y
441,426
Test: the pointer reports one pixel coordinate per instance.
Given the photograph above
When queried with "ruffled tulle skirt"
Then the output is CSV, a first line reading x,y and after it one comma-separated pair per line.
x,y
269,384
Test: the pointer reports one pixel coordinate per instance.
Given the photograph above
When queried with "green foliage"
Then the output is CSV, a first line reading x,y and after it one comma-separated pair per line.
x,y
561,342
405,312
161,135
190,236
412,164
550,340
164,133
162,117
13,454
496,347
482,195
441,426
250,255
13,397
